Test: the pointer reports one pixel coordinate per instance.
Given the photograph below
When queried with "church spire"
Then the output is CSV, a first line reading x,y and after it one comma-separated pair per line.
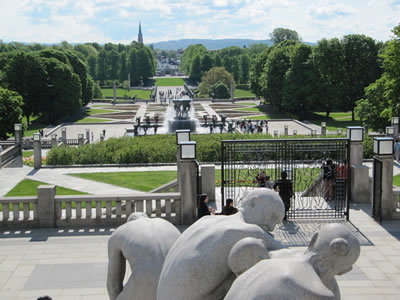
x,y
140,35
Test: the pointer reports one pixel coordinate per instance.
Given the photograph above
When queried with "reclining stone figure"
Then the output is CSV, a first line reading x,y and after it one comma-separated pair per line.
x,y
197,267
289,274
144,243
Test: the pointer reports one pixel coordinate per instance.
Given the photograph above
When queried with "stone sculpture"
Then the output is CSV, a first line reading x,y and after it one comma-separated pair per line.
x,y
144,243
287,275
197,267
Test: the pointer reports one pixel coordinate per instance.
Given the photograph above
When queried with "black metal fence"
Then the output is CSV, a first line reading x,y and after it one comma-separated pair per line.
x,y
314,193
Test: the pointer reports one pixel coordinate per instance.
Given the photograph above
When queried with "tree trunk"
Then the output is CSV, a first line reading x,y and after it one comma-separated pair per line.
x,y
27,119
352,114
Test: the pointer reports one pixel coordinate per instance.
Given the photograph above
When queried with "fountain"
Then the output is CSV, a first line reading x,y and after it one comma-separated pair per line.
x,y
180,115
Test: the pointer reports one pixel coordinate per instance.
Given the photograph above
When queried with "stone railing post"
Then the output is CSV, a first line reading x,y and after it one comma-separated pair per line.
x,y
359,181
188,188
395,124
37,151
46,206
53,140
88,135
80,139
286,130
323,128
64,135
18,134
208,181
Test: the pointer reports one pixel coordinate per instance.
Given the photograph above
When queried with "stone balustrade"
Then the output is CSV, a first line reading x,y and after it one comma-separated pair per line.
x,y
49,210
8,155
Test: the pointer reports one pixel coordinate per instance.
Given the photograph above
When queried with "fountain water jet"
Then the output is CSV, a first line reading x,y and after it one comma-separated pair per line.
x,y
180,115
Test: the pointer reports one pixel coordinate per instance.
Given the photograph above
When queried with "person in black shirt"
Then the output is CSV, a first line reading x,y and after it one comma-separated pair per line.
x,y
204,209
285,188
228,209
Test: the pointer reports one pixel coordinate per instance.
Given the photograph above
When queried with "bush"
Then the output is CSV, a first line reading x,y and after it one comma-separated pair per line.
x,y
153,149
368,147
219,91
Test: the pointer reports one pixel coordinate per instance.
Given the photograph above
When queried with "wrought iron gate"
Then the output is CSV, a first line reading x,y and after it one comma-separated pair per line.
x,y
314,195
377,190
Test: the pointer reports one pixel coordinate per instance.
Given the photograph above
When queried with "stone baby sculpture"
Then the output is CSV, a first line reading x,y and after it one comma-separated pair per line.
x,y
197,267
144,243
308,276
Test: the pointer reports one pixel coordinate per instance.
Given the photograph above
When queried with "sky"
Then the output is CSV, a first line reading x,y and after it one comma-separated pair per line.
x,y
53,21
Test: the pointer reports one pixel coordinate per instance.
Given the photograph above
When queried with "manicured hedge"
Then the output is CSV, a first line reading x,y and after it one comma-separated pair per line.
x,y
147,149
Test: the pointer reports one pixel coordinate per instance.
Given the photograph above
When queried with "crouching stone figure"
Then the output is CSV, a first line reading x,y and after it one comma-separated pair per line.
x,y
144,243
290,274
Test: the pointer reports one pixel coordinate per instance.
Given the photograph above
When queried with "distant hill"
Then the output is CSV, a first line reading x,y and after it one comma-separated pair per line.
x,y
209,44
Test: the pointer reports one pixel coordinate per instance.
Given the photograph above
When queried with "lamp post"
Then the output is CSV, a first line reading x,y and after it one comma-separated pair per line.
x,y
383,145
395,124
356,135
390,131
37,151
18,133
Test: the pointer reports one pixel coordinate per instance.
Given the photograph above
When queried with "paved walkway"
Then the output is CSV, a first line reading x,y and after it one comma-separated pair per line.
x,y
72,263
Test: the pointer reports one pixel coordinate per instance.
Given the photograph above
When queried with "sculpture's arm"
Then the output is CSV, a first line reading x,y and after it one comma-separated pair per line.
x,y
116,270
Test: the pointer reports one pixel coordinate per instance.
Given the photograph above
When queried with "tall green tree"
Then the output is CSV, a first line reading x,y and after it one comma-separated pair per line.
x,y
284,34
244,62
195,70
256,70
361,68
227,63
328,59
132,66
189,55
144,65
92,64
10,111
26,75
273,78
114,62
123,75
102,65
214,76
235,69
206,63
301,83
218,61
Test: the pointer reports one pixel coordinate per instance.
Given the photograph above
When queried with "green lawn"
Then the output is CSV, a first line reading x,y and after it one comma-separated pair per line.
x,y
336,120
27,153
96,111
268,111
140,94
141,181
243,93
91,120
170,82
28,187
246,103
396,180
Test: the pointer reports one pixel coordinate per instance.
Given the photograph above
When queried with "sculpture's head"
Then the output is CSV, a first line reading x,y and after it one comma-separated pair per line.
x,y
136,215
335,249
263,207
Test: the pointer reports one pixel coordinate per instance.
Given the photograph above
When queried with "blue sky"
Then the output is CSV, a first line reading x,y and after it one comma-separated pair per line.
x,y
53,21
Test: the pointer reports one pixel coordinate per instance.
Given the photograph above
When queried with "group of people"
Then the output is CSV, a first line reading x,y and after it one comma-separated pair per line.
x,y
205,210
251,127
166,96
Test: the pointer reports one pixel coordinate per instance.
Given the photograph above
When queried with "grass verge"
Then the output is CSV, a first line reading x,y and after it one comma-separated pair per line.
x,y
170,82
140,94
243,93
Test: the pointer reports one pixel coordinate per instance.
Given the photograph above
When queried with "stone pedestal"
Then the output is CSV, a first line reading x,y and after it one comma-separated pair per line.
x,y
188,188
208,181
388,204
80,141
37,154
360,184
323,130
356,153
286,130
88,135
18,137
64,135
46,206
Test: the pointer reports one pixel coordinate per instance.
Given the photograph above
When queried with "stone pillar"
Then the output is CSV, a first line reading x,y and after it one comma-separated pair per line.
x,y
360,184
388,203
80,139
46,206
37,151
178,164
356,153
395,124
188,188
323,128
53,140
286,130
208,181
64,135
88,135
18,134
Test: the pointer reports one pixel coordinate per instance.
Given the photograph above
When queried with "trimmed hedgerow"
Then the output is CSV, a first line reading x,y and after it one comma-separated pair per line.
x,y
150,149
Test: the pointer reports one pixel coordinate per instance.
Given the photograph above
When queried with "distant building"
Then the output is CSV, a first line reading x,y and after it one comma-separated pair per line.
x,y
140,35
167,66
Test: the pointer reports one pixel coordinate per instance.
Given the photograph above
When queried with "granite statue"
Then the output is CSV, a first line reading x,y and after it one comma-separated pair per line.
x,y
289,274
196,266
144,242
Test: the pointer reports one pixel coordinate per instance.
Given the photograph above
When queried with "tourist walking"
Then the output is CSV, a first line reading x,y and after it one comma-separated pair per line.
x,y
285,188
397,150
327,177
